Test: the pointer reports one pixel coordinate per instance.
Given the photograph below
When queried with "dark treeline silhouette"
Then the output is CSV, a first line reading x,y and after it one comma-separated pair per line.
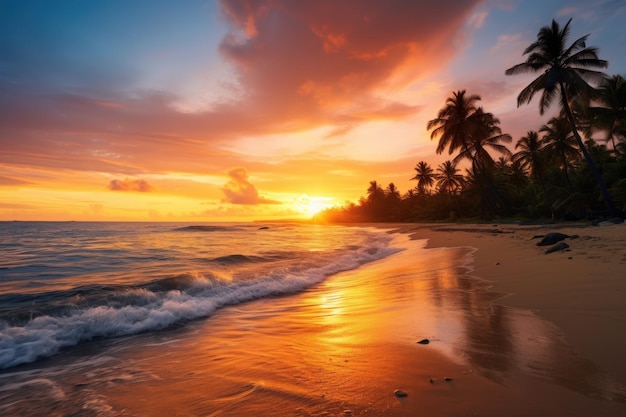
x,y
558,171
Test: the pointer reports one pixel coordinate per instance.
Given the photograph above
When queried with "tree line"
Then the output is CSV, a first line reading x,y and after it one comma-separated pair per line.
x,y
556,171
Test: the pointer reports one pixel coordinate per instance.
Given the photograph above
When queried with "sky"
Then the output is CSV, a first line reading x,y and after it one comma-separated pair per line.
x,y
237,110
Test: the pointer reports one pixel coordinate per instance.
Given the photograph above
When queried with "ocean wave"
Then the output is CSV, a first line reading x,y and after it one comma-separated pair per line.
x,y
203,228
71,317
239,259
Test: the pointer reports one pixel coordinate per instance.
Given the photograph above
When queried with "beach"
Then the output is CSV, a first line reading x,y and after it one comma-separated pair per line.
x,y
582,290
504,329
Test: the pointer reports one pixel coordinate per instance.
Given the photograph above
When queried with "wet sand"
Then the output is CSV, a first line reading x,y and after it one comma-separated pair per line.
x,y
343,347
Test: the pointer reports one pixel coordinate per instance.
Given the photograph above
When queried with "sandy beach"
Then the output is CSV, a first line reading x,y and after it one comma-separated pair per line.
x,y
582,290
570,302
511,331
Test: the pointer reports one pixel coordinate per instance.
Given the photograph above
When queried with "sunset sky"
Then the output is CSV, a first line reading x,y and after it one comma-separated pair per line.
x,y
200,110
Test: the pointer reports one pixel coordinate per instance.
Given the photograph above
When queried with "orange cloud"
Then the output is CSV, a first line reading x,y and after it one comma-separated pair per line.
x,y
130,185
241,191
297,66
311,61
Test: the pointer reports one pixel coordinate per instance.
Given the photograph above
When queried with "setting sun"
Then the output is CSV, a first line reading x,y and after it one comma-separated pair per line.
x,y
310,206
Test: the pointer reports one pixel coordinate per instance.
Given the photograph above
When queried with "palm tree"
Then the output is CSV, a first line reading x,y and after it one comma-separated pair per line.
x,y
564,71
425,177
610,116
374,191
530,154
392,192
448,178
484,133
375,202
530,158
454,122
559,144
462,125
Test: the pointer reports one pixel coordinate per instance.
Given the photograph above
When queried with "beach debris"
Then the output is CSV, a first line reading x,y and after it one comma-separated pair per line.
x,y
497,263
400,394
432,381
424,342
561,246
447,379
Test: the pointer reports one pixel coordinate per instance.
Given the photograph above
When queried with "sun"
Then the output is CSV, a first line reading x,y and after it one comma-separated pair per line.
x,y
312,205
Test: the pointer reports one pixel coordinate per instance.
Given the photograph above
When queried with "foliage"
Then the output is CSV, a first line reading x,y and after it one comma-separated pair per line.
x,y
553,173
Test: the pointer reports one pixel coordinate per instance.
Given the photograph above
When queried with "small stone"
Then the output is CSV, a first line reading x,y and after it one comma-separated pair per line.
x,y
448,379
400,394
432,381
424,342
497,263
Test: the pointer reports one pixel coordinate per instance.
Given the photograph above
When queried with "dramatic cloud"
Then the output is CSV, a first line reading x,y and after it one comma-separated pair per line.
x,y
241,191
294,66
317,61
130,185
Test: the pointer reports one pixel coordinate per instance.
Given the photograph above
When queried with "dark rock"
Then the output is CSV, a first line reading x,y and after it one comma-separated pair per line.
x,y
558,247
551,239
263,228
424,342
447,378
400,394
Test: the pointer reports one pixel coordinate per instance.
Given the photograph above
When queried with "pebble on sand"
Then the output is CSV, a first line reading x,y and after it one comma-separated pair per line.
x,y
400,394
424,342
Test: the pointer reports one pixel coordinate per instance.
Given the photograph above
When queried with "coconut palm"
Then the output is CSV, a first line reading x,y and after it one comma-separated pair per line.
x,y
531,157
424,176
448,178
610,115
530,153
462,125
391,192
484,134
559,144
564,71
454,122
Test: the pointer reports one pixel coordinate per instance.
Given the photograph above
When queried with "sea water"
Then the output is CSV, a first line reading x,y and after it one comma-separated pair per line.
x,y
66,283
260,319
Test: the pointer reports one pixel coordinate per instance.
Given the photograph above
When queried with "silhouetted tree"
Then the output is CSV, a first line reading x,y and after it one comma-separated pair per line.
x,y
424,176
448,178
564,71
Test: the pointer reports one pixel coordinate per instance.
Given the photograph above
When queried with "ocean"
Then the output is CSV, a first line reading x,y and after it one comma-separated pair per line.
x,y
62,284
264,319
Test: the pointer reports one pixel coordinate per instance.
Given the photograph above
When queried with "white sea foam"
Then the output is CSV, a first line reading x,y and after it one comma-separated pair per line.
x,y
46,335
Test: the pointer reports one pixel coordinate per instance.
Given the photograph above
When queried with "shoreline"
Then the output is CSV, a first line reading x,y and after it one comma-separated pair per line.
x,y
580,290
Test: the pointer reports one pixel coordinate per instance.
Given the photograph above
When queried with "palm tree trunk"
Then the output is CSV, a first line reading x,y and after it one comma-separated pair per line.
x,y
613,210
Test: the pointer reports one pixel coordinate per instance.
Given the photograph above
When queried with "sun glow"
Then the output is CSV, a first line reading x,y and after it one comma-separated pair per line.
x,y
310,206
